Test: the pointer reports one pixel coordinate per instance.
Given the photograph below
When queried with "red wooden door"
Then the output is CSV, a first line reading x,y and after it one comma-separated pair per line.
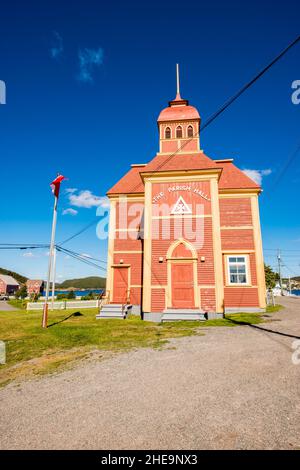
x,y
120,285
182,285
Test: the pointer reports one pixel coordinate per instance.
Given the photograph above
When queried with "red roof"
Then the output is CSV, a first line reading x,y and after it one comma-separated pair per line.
x,y
129,183
30,282
231,176
179,161
178,110
234,178
178,113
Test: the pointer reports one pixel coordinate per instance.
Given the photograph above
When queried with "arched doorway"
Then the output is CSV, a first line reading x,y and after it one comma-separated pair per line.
x,y
182,276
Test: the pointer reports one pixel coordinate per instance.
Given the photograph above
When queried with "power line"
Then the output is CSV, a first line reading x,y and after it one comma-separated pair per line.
x,y
34,245
19,246
290,159
209,120
82,255
79,258
86,227
249,84
231,100
22,247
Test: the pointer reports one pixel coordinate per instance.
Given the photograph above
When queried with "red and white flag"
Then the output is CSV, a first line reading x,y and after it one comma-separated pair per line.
x,y
55,185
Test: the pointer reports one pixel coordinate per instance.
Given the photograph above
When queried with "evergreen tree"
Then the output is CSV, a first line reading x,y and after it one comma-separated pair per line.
x,y
271,277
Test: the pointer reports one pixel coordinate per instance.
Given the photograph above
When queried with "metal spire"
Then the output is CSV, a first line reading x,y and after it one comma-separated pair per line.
x,y
177,82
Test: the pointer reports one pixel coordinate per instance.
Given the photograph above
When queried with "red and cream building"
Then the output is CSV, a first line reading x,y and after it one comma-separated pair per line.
x,y
184,235
34,286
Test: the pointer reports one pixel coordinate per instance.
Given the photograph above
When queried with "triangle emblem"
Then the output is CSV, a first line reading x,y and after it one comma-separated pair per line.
x,y
181,207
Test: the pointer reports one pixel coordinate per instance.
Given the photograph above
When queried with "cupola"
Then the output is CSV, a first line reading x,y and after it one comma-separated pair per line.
x,y
179,125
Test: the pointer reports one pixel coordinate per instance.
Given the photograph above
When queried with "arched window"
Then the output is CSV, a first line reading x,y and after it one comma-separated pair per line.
x,y
178,132
168,133
190,131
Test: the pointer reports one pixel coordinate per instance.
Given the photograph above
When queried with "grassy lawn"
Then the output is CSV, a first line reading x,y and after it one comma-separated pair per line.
x,y
73,335
18,303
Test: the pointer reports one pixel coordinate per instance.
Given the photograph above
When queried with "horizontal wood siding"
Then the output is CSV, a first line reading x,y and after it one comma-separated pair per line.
x,y
158,300
208,299
235,211
241,297
237,239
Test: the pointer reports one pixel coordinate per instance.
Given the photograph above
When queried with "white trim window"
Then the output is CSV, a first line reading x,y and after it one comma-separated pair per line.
x,y
237,269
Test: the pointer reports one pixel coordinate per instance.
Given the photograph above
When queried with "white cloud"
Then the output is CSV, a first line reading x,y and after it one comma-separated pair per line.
x,y
70,212
257,175
88,60
28,254
87,199
85,255
57,47
70,190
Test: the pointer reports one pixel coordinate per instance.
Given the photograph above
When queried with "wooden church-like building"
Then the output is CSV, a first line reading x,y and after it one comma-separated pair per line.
x,y
184,234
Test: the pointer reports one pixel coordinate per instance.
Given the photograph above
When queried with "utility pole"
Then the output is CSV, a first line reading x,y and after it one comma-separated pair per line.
x,y
290,287
279,270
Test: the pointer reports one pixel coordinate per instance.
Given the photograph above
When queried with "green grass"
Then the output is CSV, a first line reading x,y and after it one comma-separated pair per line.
x,y
275,308
31,350
18,303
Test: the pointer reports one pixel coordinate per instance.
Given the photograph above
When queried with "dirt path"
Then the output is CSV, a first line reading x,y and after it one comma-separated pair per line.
x,y
232,388
5,306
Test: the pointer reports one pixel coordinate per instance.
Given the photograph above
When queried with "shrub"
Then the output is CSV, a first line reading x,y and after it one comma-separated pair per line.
x,y
71,295
89,296
61,297
21,293
34,297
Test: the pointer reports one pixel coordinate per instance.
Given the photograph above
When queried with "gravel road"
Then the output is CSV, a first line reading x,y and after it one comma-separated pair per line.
x,y
231,388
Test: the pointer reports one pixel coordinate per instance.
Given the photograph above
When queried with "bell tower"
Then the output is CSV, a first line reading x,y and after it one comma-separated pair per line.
x,y
179,125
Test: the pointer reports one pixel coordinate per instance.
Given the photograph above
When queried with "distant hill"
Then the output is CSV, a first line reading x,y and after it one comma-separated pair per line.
x,y
92,282
18,277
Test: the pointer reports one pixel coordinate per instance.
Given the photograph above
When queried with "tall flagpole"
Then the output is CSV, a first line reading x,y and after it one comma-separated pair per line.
x,y
53,277
45,310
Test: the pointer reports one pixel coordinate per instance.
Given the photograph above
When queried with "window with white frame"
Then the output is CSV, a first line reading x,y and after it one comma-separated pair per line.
x,y
237,269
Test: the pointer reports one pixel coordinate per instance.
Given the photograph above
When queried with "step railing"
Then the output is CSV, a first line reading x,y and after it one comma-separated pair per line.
x,y
127,301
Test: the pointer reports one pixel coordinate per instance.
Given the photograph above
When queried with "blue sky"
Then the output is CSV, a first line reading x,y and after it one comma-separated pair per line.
x,y
85,83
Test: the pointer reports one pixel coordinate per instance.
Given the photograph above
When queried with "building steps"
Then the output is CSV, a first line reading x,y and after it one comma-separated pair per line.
x,y
183,314
114,311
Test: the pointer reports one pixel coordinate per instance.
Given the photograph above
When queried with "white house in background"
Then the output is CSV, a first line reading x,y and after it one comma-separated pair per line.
x,y
8,285
277,290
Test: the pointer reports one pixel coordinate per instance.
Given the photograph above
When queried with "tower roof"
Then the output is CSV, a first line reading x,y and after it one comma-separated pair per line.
x,y
178,112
